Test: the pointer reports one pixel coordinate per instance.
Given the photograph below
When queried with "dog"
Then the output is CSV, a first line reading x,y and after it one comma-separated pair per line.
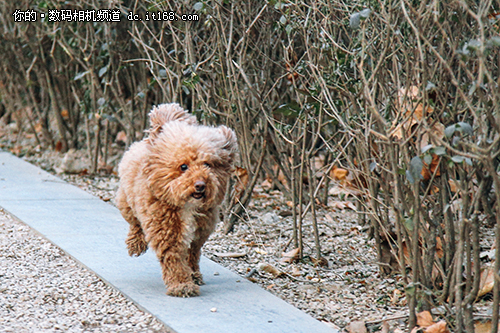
x,y
171,185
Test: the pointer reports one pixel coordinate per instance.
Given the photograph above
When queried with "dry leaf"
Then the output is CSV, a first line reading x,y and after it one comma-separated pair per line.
x,y
453,186
396,295
58,146
296,271
484,326
424,319
439,327
65,114
428,170
439,247
259,251
121,136
385,327
230,254
357,327
343,205
339,173
241,181
486,282
268,268
290,256
267,184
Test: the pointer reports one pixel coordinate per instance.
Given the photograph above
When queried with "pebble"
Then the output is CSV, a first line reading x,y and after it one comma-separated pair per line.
x,y
44,290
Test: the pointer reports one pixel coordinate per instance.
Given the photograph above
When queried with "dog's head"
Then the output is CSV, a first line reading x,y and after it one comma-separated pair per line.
x,y
191,163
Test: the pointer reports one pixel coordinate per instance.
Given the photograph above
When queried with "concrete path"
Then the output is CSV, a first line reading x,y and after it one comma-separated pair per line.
x,y
93,232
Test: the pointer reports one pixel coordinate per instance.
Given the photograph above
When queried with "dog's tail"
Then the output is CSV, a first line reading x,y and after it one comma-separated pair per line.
x,y
165,113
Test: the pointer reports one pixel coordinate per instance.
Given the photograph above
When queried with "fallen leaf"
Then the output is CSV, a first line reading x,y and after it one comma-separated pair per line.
x,y
58,146
428,170
271,286
343,205
424,319
484,326
296,271
259,251
322,262
485,282
439,327
396,295
121,137
290,256
268,268
385,327
241,182
357,327
339,173
267,184
453,186
230,254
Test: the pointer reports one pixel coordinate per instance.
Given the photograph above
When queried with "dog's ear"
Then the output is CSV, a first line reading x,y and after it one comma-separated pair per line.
x,y
230,145
165,113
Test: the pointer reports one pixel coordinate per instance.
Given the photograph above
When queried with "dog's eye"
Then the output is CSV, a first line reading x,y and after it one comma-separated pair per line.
x,y
184,167
206,164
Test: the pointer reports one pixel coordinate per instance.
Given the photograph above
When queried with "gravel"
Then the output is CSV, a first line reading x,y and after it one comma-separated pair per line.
x,y
44,290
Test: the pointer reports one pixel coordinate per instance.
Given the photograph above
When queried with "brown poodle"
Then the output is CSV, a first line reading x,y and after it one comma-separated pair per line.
x,y
171,185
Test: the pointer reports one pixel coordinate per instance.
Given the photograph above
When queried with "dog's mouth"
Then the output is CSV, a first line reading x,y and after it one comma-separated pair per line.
x,y
198,196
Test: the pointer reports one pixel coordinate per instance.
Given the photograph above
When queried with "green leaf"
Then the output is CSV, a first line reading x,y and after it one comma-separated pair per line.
x,y
426,148
355,19
427,159
291,109
103,71
473,44
408,223
494,41
465,128
80,75
283,20
458,159
365,13
430,86
439,151
415,171
410,289
449,131
198,6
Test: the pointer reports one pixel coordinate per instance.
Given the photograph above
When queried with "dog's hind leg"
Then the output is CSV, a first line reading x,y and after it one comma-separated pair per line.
x,y
136,242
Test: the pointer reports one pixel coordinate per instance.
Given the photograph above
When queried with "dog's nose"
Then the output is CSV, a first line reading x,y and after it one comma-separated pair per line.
x,y
199,186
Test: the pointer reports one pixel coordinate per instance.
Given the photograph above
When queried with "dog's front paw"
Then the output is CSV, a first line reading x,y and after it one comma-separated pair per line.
x,y
136,245
198,278
183,290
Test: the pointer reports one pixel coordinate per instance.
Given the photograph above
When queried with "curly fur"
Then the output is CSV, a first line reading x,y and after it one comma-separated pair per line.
x,y
171,185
